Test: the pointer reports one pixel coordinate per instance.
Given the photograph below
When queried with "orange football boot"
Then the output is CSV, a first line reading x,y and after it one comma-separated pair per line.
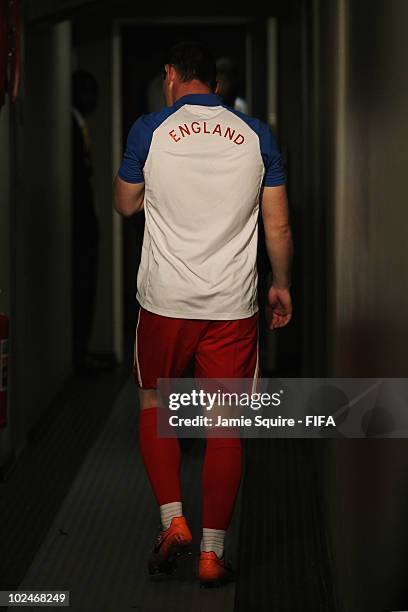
x,y
169,545
213,571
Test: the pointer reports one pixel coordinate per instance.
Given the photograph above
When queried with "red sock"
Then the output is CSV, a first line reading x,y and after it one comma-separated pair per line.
x,y
221,478
161,457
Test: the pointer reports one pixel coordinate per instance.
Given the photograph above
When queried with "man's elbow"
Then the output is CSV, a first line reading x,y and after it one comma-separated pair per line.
x,y
126,206
123,209
281,229
119,207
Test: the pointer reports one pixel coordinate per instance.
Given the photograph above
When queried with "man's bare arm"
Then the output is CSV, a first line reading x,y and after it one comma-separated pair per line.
x,y
128,197
279,246
278,235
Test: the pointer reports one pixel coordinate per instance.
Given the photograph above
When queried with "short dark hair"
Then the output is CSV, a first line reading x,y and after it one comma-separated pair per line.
x,y
193,60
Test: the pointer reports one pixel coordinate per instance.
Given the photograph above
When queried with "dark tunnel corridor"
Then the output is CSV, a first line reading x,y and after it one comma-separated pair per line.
x,y
318,89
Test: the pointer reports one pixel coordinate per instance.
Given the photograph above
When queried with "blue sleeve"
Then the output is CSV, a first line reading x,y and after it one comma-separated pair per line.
x,y
137,150
274,172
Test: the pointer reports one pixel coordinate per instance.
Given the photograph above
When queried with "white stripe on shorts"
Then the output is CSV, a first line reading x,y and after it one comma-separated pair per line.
x,y
255,380
135,356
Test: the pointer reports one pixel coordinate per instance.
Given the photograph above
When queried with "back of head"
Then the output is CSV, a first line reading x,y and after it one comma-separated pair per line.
x,y
84,91
228,80
193,62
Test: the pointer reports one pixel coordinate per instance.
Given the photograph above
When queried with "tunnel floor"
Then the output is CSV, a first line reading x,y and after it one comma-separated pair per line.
x,y
79,515
98,543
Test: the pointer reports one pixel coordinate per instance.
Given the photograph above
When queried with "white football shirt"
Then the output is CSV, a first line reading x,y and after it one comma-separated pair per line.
x,y
203,165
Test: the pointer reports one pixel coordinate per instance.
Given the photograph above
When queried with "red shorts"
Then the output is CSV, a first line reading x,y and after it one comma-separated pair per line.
x,y
164,346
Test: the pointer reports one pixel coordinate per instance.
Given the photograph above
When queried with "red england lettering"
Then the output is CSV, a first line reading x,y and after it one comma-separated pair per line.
x,y
173,134
230,133
217,129
197,129
184,130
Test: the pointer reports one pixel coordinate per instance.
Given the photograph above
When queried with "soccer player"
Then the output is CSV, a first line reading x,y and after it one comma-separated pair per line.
x,y
200,170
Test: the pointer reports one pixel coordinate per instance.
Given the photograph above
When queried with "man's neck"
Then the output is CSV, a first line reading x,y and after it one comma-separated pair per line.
x,y
192,87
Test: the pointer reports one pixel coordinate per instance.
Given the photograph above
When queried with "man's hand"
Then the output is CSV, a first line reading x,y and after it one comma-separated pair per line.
x,y
279,246
128,197
278,308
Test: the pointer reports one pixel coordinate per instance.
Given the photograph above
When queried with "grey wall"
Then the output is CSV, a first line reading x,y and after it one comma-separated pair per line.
x,y
4,208
93,52
371,211
363,135
5,238
41,347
